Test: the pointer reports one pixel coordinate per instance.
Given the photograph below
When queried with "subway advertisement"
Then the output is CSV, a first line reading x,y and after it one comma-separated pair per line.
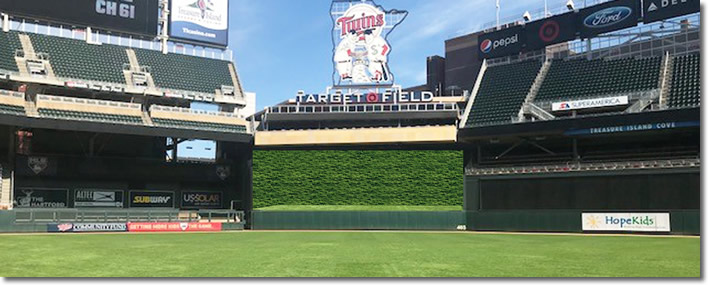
x,y
200,21
152,199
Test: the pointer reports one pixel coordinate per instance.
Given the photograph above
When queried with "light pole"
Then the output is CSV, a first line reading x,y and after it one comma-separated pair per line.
x,y
498,8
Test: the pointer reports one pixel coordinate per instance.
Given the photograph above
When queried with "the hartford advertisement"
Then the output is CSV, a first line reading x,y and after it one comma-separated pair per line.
x,y
627,222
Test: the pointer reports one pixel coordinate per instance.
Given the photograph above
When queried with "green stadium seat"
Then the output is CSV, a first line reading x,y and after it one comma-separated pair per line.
x,y
686,82
502,93
214,127
582,79
12,110
183,72
79,60
94,117
9,43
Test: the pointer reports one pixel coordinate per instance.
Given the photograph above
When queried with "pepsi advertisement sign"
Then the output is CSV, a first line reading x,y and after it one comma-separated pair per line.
x,y
608,17
200,21
501,43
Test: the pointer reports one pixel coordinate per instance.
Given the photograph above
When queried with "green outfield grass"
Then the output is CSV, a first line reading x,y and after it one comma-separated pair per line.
x,y
347,254
361,208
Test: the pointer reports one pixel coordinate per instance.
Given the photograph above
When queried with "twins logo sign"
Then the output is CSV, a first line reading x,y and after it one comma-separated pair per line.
x,y
361,49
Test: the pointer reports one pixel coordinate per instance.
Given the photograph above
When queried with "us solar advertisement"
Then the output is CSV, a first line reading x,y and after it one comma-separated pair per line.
x,y
200,21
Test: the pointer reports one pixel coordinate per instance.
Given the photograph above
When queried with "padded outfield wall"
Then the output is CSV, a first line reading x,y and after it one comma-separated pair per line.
x,y
357,177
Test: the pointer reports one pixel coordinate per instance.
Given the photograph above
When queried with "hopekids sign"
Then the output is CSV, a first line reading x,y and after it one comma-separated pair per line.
x,y
204,21
627,222
501,43
361,48
368,98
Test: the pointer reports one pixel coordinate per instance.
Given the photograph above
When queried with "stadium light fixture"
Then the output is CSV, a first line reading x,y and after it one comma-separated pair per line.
x,y
527,16
570,5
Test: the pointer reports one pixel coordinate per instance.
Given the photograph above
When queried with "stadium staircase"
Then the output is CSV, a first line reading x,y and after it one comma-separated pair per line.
x,y
529,107
686,82
502,93
667,79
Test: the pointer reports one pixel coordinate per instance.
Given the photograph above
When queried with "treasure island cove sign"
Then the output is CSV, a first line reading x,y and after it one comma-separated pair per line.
x,y
360,57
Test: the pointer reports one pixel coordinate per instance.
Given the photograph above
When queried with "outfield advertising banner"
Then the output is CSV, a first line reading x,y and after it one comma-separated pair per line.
x,y
608,17
591,103
657,10
129,16
501,43
549,31
203,21
41,198
201,200
86,198
627,222
174,227
86,227
152,199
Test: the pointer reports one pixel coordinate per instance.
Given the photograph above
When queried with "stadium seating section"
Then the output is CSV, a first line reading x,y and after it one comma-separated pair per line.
x,y
9,43
580,79
199,125
90,116
76,59
183,72
12,110
502,92
686,83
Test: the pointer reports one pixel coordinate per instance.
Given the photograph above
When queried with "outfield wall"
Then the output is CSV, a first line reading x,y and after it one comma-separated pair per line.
x,y
357,177
557,202
357,220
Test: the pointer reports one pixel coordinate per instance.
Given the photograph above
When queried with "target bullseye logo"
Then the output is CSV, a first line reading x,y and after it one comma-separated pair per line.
x,y
549,31
372,97
486,46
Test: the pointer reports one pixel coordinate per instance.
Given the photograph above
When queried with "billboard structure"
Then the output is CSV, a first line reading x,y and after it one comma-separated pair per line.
x,y
138,17
200,21
361,49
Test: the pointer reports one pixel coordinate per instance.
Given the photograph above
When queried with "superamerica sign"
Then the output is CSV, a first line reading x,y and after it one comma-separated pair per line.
x,y
366,98
361,48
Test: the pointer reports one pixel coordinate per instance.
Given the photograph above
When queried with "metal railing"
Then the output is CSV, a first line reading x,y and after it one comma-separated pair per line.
x,y
371,108
194,112
29,216
88,102
585,167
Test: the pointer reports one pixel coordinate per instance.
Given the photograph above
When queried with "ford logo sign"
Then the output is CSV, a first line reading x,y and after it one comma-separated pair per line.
x,y
607,17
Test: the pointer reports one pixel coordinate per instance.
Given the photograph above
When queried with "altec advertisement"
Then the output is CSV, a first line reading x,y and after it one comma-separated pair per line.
x,y
174,227
203,21
84,198
361,48
591,103
627,222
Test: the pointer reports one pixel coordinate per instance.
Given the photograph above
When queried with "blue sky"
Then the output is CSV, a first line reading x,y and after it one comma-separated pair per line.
x,y
282,46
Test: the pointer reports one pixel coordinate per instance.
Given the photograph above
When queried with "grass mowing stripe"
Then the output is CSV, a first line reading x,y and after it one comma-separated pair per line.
x,y
347,254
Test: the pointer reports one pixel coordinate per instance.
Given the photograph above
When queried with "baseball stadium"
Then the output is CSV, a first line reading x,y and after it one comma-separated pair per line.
x,y
564,143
